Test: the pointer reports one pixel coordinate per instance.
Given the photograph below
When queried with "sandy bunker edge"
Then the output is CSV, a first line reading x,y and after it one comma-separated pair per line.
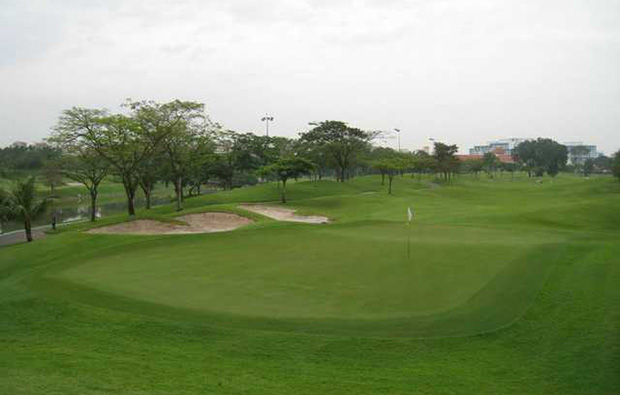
x,y
209,222
283,214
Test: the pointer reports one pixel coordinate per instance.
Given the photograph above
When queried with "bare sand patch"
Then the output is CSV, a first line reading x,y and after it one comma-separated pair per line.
x,y
196,223
284,214
215,222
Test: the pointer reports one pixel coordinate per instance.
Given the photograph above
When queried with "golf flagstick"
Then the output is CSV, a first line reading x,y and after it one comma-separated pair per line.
x,y
409,218
415,280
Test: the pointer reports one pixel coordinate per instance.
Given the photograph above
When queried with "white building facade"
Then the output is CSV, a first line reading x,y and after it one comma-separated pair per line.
x,y
508,145
589,152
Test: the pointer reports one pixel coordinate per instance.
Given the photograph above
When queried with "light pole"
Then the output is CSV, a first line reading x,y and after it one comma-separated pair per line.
x,y
398,132
267,118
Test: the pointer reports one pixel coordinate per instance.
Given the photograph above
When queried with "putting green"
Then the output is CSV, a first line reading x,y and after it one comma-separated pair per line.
x,y
308,274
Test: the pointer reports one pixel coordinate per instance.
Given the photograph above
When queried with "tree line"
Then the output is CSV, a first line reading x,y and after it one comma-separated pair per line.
x,y
177,143
25,157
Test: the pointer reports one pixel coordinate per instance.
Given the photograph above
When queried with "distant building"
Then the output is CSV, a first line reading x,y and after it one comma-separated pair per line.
x,y
502,156
19,144
574,157
506,145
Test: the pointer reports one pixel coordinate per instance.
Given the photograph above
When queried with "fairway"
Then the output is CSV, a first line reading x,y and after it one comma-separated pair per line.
x,y
496,270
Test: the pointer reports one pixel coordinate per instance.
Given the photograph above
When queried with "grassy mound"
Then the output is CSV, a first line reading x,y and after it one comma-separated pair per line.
x,y
509,287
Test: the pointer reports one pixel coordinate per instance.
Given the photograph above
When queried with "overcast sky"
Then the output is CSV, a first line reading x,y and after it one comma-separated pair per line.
x,y
459,71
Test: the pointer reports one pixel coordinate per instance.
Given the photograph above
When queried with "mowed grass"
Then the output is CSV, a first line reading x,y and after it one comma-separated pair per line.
x,y
510,287
340,272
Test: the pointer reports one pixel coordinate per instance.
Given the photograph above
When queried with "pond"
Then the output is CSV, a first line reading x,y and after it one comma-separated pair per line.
x,y
80,211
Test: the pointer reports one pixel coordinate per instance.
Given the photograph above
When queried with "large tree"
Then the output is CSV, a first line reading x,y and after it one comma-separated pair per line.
x,y
340,142
377,158
200,167
422,162
119,139
177,127
149,172
390,167
315,154
244,153
89,169
445,159
525,155
52,174
255,151
286,168
84,165
541,155
21,203
230,157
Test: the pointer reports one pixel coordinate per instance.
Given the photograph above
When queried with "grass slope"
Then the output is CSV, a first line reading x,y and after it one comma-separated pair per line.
x,y
511,287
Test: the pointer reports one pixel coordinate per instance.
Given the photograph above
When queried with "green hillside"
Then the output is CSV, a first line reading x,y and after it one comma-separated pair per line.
x,y
509,287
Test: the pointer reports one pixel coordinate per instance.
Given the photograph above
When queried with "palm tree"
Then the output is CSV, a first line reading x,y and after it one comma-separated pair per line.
x,y
20,204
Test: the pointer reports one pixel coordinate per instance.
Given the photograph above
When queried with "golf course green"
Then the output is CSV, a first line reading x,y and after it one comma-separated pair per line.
x,y
497,286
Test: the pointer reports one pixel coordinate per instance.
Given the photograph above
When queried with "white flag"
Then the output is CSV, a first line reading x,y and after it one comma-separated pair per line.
x,y
409,214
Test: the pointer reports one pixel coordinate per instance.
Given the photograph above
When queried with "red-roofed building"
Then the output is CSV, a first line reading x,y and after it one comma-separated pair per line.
x,y
505,158
499,153
468,157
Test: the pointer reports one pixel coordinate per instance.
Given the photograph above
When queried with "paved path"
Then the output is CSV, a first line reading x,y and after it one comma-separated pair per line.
x,y
20,237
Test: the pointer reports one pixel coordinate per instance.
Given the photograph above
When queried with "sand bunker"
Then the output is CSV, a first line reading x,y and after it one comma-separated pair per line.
x,y
196,223
283,214
215,222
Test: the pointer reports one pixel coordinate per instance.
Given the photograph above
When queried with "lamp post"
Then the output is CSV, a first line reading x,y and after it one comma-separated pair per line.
x,y
398,132
267,118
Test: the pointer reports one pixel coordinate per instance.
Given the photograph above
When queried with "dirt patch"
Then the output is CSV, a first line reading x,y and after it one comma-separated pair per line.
x,y
283,214
196,223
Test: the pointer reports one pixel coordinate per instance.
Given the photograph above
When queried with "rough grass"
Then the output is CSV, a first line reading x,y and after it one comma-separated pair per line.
x,y
511,287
